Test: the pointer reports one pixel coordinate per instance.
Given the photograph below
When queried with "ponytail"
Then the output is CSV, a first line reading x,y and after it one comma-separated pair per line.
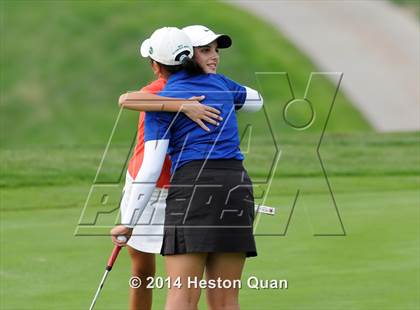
x,y
187,64
191,66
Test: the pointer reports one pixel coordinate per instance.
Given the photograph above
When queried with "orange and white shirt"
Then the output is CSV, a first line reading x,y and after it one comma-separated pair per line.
x,y
136,160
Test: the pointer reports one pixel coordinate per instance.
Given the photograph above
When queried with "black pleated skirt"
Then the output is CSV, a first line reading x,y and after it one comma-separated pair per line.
x,y
210,209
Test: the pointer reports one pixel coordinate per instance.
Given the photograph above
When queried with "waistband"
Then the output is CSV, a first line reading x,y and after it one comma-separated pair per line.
x,y
228,164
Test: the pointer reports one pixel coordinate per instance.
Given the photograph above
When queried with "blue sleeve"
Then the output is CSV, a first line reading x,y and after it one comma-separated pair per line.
x,y
157,126
237,90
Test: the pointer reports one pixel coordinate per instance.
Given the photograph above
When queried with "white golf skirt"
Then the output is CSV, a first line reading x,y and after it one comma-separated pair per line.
x,y
148,233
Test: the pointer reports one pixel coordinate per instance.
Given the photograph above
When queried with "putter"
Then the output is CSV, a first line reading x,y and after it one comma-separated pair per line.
x,y
108,268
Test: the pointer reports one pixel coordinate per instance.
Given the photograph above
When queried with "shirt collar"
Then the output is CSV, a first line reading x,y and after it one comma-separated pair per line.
x,y
180,75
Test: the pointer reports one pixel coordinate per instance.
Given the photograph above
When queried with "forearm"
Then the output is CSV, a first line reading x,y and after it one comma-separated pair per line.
x,y
145,182
146,102
253,102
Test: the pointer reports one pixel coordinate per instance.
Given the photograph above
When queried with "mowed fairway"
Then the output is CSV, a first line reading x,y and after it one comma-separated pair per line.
x,y
375,266
64,64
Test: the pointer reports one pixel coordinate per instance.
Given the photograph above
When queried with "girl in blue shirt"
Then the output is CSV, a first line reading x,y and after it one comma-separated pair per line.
x,y
210,207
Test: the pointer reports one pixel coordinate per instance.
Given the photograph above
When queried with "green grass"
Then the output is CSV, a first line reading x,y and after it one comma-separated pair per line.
x,y
375,266
64,64
410,5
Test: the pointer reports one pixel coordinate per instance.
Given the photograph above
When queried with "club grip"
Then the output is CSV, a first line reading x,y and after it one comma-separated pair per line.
x,y
113,257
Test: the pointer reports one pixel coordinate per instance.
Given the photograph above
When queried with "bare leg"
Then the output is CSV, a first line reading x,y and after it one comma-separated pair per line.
x,y
224,266
142,266
184,266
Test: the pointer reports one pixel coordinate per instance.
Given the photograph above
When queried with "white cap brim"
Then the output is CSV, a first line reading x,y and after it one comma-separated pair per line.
x,y
144,48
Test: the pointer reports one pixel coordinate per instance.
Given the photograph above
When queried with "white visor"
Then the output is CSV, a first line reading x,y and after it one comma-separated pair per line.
x,y
201,36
